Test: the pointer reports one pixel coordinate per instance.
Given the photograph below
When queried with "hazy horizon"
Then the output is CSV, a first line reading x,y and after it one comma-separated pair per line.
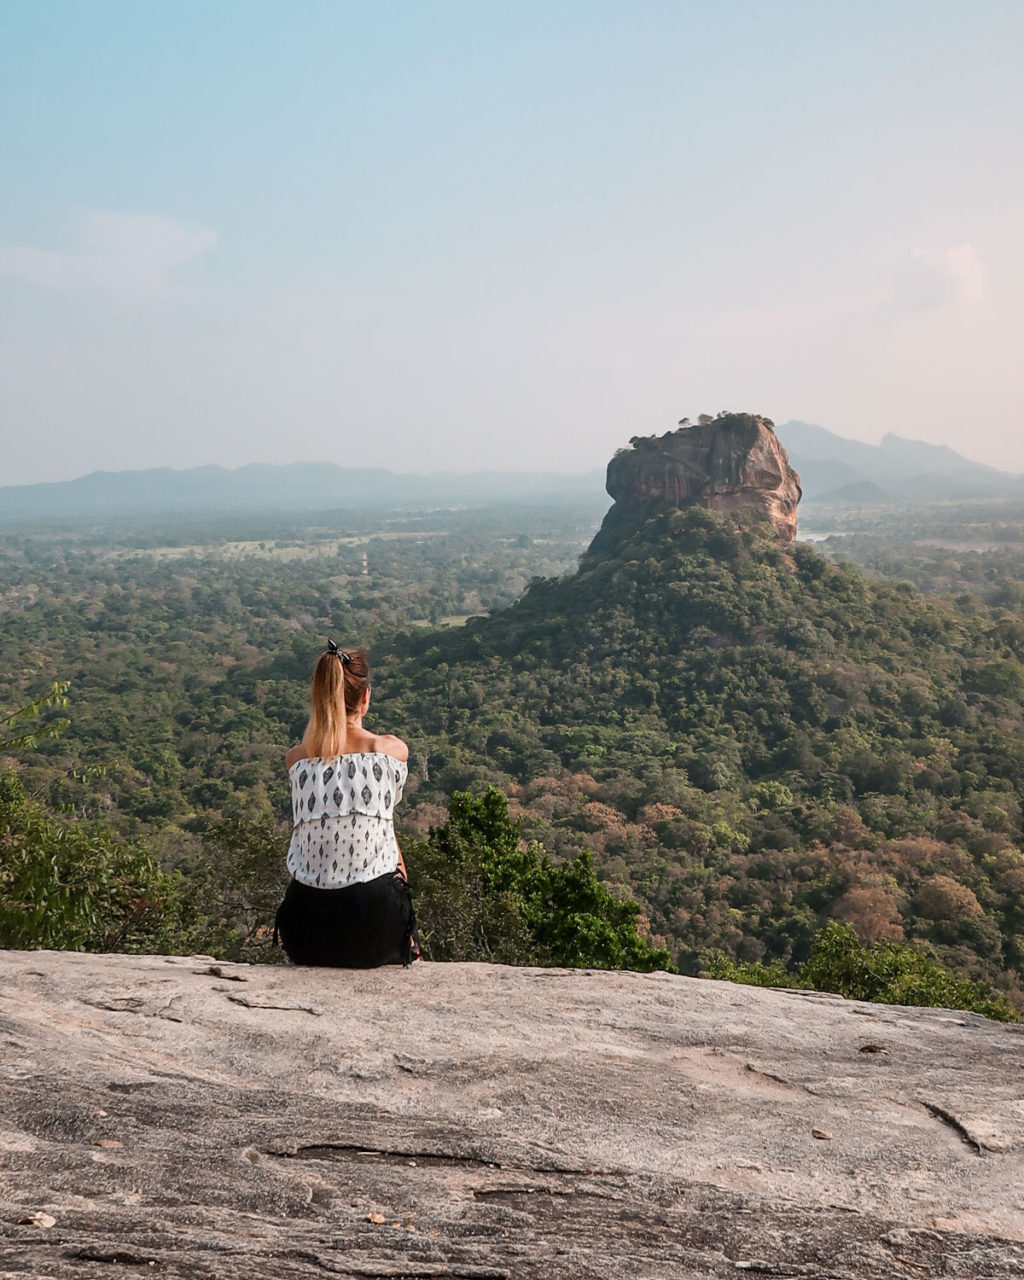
x,y
465,237
405,471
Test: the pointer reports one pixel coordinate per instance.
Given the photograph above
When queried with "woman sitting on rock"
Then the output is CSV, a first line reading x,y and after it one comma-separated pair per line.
x,y
348,903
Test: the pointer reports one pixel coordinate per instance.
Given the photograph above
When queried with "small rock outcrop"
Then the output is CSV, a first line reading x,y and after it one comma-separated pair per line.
x,y
732,463
183,1117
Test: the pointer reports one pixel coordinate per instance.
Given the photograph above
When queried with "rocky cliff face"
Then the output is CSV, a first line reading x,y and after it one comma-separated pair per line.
x,y
732,464
179,1117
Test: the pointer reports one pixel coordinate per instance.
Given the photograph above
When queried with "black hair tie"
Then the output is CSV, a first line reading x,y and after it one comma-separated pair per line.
x,y
346,658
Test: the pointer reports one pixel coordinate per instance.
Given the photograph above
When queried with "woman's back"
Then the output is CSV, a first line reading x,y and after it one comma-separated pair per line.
x,y
358,741
342,810
348,901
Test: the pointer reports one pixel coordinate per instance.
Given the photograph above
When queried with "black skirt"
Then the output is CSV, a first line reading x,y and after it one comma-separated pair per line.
x,y
358,927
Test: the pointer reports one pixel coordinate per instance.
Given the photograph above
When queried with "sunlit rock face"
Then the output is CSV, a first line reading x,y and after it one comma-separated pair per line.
x,y
185,1118
732,464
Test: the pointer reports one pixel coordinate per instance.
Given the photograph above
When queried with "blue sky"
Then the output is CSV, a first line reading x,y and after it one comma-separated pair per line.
x,y
458,235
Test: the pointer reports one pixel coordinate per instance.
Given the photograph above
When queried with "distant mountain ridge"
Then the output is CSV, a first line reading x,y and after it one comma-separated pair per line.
x,y
297,486
835,469
831,467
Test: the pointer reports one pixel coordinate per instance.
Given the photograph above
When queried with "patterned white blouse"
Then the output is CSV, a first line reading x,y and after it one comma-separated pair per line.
x,y
343,811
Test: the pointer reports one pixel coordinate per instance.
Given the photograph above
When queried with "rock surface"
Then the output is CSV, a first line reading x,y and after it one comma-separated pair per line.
x,y
187,1118
735,463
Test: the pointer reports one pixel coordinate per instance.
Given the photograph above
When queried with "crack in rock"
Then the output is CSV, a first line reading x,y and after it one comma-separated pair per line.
x,y
134,1004
332,1150
120,1257
218,971
947,1117
776,1079
290,1008
511,1195
393,1269
427,1159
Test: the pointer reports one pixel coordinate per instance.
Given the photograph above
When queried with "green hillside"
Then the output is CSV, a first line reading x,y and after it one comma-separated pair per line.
x,y
751,740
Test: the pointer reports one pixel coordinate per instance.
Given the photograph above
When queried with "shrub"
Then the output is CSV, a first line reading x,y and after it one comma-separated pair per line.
x,y
750,973
237,885
481,894
78,887
892,973
882,972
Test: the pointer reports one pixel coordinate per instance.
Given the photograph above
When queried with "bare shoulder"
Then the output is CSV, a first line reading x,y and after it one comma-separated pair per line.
x,y
296,754
389,745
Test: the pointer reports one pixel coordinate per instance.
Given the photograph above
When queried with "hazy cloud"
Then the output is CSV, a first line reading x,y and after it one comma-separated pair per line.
x,y
122,254
951,276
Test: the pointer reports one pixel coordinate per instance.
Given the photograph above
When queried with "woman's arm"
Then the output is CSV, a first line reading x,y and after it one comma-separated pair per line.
x,y
400,869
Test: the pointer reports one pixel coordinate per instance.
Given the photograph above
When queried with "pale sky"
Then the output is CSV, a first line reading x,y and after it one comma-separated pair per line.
x,y
463,234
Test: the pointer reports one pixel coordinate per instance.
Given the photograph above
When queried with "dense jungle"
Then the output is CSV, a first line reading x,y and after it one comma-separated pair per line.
x,y
747,741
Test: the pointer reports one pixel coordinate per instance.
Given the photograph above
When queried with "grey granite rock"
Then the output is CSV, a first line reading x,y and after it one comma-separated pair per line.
x,y
183,1118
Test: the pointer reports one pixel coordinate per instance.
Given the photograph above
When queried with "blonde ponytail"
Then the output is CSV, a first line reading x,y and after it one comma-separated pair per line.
x,y
340,679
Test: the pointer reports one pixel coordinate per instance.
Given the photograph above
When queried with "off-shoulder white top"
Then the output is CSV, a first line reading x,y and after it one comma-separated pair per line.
x,y
343,811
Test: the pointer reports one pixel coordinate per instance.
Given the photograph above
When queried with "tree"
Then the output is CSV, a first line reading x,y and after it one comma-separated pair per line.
x,y
482,894
78,887
237,886
55,696
882,972
873,912
943,898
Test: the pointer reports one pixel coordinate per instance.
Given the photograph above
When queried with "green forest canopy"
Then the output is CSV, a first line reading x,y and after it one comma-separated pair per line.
x,y
750,742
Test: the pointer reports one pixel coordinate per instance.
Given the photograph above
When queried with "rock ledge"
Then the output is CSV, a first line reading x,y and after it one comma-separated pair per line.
x,y
188,1118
